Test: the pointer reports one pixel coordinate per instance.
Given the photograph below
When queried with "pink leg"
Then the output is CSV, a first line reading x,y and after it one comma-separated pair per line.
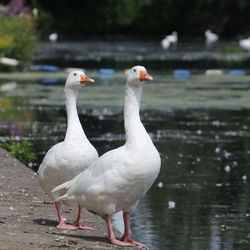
x,y
111,234
78,220
61,224
126,236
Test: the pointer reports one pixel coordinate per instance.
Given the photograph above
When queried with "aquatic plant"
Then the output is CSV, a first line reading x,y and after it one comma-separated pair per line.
x,y
22,150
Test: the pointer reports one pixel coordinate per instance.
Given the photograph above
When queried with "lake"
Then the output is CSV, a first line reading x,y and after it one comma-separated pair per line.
x,y
201,127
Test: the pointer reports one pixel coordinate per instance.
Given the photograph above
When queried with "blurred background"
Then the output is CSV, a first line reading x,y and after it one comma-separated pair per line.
x,y
197,109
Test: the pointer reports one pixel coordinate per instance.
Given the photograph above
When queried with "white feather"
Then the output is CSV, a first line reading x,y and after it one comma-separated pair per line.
x,y
120,177
211,37
67,159
245,43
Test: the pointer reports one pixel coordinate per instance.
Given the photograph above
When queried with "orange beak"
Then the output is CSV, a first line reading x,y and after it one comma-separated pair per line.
x,y
85,80
144,76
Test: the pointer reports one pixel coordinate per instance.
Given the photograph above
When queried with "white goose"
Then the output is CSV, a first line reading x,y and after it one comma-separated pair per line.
x,y
245,43
211,37
120,177
67,159
53,37
173,38
169,39
165,43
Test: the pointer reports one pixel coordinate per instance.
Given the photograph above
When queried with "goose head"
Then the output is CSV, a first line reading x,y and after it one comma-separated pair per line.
x,y
137,75
174,33
77,78
208,32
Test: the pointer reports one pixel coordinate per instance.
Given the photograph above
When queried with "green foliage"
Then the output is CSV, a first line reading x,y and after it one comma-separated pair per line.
x,y
228,18
86,16
16,37
22,150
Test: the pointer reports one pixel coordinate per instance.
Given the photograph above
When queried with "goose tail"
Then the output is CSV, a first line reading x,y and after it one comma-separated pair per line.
x,y
59,193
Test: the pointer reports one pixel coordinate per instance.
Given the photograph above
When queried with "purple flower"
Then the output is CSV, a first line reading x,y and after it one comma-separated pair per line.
x,y
15,7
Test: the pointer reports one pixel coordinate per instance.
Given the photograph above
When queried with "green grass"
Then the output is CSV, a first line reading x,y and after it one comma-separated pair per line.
x,y
22,150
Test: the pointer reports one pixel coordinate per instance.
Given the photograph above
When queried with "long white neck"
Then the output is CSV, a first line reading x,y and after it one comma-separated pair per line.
x,y
74,127
135,131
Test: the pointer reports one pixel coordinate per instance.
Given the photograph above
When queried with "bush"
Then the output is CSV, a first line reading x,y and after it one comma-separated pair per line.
x,y
22,150
16,37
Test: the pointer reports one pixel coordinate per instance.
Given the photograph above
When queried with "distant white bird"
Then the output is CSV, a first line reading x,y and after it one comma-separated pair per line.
x,y
169,39
165,43
245,43
53,37
8,61
211,37
173,38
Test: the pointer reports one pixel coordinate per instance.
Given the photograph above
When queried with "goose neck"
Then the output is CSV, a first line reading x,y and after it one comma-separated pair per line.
x,y
74,127
135,131
132,100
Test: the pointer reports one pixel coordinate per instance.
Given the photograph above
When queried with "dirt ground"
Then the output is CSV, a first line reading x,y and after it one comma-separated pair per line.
x,y
28,217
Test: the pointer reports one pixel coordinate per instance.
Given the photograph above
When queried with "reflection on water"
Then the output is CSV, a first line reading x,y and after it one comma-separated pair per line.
x,y
201,128
205,169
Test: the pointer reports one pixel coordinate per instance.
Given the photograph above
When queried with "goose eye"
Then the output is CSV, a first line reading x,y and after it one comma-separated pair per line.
x,y
74,74
134,70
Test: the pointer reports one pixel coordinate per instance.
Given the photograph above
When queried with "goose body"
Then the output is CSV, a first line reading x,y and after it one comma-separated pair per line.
x,y
165,43
169,39
173,38
245,43
64,161
211,37
67,159
116,181
120,177
53,37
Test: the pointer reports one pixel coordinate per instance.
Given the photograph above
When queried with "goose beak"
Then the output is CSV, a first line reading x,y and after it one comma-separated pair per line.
x,y
85,80
144,76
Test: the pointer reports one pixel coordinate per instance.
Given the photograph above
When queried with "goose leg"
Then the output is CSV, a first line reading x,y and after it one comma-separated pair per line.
x,y
126,236
61,224
78,220
111,234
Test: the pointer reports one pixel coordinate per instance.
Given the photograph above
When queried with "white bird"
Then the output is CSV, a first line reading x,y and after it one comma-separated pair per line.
x,y
245,43
9,61
169,39
120,177
53,37
211,37
165,43
67,159
173,38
